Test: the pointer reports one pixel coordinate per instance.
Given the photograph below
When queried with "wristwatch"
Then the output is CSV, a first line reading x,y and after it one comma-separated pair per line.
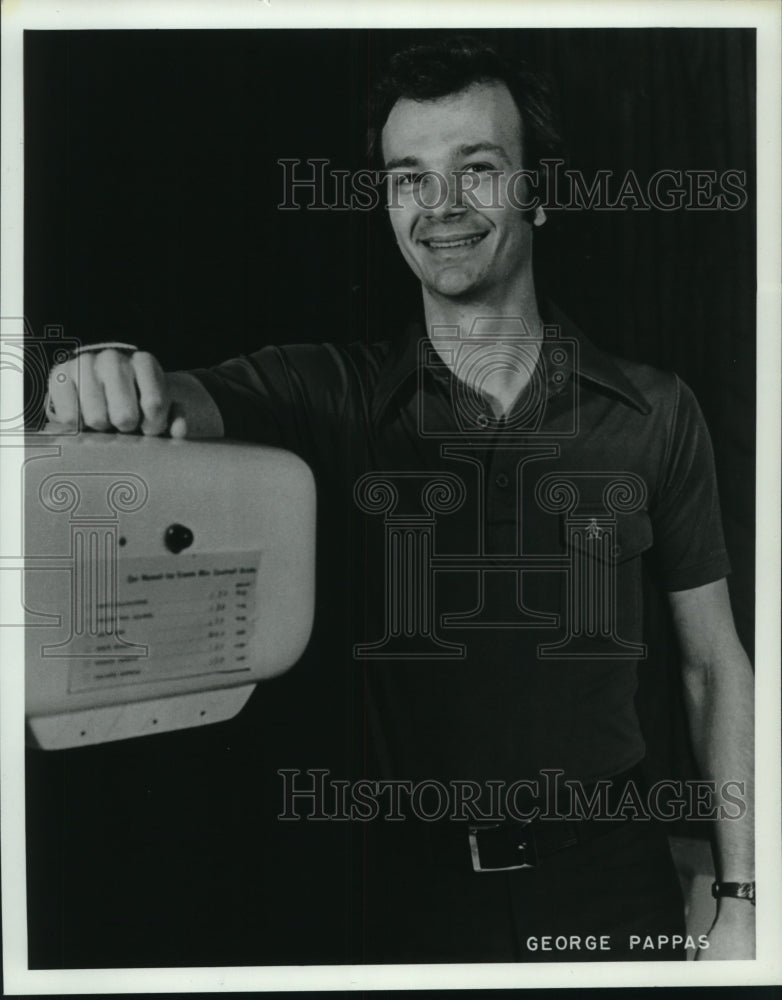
x,y
734,890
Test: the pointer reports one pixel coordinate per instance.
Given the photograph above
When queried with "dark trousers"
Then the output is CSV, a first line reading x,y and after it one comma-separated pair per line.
x,y
615,898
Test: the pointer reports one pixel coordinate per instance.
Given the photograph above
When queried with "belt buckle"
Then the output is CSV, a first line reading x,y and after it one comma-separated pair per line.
x,y
516,842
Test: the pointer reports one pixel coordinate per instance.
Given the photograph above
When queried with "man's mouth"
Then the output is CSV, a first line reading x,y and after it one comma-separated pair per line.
x,y
453,242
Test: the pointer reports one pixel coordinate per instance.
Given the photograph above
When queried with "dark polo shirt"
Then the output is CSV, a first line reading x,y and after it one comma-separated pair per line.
x,y
485,580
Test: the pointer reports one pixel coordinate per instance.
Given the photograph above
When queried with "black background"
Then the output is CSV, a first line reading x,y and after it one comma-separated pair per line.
x,y
151,187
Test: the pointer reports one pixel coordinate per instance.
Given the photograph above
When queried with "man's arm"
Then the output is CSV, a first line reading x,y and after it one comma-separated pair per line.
x,y
718,692
112,390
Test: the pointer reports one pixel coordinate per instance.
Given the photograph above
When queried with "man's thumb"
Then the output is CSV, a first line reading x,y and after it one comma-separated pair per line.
x,y
177,427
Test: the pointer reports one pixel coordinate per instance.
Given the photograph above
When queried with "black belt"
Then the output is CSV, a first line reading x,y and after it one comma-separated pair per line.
x,y
512,846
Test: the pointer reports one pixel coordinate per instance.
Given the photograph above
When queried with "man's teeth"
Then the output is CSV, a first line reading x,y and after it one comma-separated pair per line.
x,y
447,244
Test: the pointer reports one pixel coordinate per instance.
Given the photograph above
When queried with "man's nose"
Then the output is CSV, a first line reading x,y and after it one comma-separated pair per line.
x,y
442,195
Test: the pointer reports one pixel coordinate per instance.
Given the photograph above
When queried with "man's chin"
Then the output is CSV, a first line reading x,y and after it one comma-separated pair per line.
x,y
455,283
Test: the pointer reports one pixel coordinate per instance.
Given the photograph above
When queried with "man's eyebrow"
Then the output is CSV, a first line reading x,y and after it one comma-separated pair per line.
x,y
482,147
402,161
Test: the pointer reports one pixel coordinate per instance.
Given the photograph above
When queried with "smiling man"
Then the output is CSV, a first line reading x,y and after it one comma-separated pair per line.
x,y
453,168
537,497
464,242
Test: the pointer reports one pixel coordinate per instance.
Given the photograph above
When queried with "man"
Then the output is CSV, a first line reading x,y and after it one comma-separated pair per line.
x,y
511,502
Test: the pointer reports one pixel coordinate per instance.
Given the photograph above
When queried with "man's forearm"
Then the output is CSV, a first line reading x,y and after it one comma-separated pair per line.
x,y
720,706
718,693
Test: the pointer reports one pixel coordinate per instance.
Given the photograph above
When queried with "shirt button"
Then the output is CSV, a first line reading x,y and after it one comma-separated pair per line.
x,y
501,480
482,420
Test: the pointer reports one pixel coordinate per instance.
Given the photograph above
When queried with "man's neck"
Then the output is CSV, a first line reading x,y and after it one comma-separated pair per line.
x,y
492,346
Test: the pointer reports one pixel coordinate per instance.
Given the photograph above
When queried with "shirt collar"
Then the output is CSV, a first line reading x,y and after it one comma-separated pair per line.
x,y
401,367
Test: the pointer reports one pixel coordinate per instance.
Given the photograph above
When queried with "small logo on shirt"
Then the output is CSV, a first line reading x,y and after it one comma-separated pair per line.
x,y
593,529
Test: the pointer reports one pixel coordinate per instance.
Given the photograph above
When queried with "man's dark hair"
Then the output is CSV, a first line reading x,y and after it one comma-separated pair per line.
x,y
428,71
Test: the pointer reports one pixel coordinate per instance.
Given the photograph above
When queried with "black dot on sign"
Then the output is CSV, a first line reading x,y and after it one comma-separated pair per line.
x,y
177,537
122,540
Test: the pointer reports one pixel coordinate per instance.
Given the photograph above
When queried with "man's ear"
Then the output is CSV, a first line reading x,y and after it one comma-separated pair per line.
x,y
539,217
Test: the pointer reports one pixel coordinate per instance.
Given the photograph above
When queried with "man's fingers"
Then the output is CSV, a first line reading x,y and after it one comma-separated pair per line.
x,y
92,399
114,372
63,405
110,389
152,393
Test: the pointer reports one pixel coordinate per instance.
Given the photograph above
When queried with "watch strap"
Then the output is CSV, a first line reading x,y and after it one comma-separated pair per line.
x,y
734,890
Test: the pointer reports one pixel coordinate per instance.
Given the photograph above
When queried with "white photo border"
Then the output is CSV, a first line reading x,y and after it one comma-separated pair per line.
x,y
766,17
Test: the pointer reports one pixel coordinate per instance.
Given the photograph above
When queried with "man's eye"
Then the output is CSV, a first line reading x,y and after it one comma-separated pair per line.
x,y
479,168
406,179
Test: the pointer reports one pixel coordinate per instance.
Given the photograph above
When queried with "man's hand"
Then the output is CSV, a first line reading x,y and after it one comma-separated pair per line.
x,y
732,934
111,390
127,391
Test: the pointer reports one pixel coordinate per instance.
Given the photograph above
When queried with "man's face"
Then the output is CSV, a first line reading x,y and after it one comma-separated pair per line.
x,y
457,154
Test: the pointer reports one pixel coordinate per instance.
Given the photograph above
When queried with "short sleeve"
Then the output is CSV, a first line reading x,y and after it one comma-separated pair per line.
x,y
291,397
689,548
249,393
